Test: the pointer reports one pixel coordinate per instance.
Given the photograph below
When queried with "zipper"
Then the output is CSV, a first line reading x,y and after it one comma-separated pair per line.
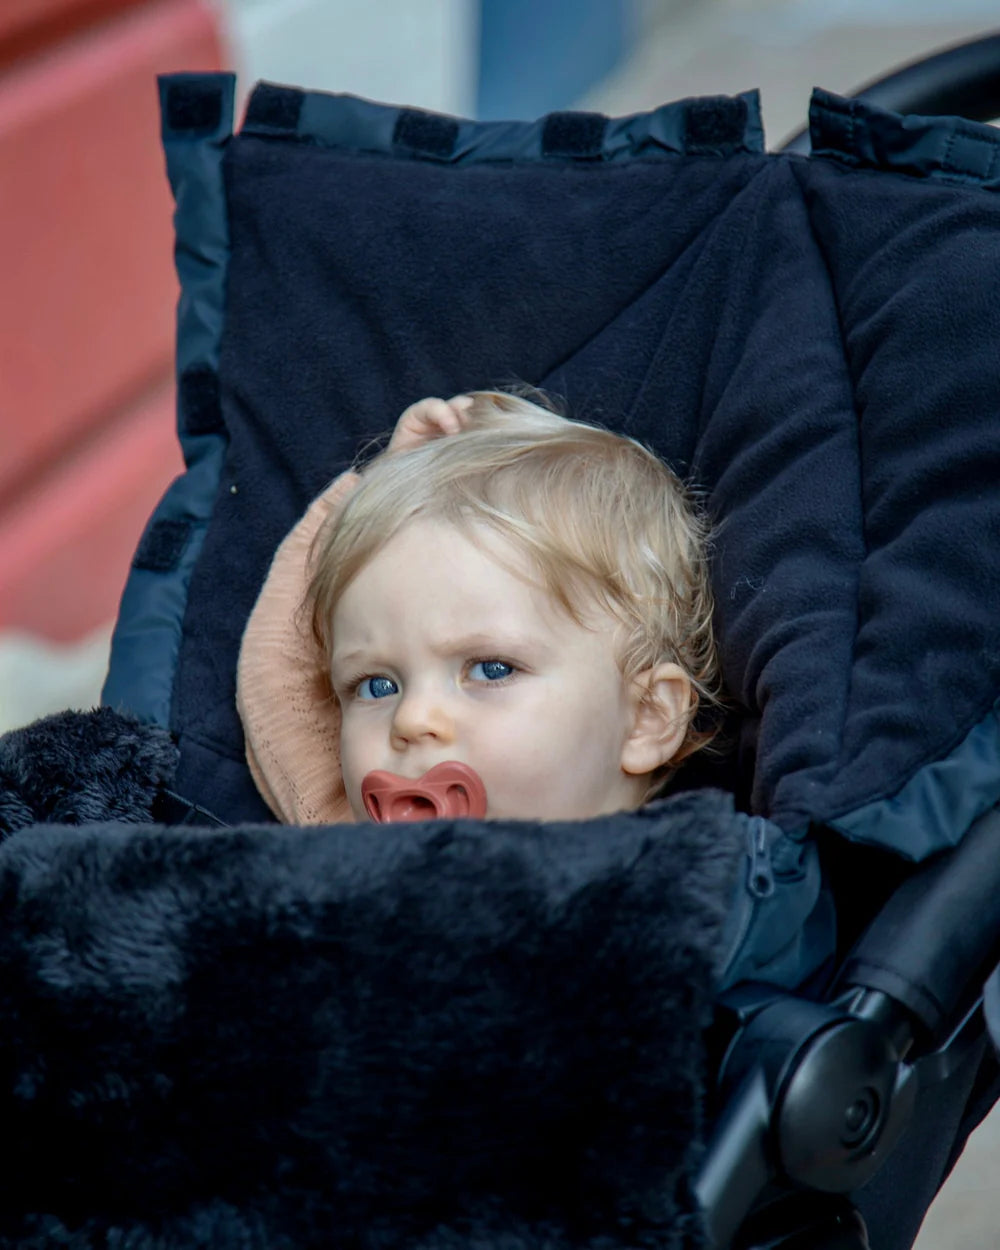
x,y
760,874
760,884
758,938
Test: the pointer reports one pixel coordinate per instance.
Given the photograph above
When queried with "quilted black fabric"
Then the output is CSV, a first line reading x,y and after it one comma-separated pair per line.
x,y
811,340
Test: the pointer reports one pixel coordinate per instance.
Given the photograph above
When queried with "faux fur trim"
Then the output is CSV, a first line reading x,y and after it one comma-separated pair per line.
x,y
423,1037
78,767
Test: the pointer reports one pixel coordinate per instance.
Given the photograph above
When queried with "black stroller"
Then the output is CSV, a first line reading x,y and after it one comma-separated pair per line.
x,y
752,1014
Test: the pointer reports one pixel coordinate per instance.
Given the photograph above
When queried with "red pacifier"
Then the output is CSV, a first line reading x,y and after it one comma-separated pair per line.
x,y
446,790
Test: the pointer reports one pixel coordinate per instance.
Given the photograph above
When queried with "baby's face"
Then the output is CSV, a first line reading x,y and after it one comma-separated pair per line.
x,y
440,652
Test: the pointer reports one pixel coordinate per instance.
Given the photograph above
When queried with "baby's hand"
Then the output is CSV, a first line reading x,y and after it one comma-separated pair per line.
x,y
429,419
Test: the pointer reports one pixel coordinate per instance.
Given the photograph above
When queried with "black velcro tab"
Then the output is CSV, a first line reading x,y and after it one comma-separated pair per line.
x,y
198,401
193,106
161,547
832,125
427,134
574,134
715,125
276,108
971,153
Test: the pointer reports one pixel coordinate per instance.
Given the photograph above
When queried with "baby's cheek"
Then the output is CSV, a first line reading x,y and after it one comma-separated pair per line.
x,y
519,783
350,764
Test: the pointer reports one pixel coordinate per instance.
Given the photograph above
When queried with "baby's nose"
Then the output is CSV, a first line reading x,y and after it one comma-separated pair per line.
x,y
421,715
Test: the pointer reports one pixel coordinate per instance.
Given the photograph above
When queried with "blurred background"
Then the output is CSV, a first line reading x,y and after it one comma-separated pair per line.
x,y
87,288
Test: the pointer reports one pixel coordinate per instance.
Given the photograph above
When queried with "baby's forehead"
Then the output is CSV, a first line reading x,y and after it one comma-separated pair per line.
x,y
440,568
459,582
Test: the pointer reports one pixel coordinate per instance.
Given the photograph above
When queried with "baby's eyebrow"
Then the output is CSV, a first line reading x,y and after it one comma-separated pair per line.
x,y
357,657
480,642
496,640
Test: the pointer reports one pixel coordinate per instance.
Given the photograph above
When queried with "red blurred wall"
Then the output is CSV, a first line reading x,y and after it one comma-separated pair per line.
x,y
87,296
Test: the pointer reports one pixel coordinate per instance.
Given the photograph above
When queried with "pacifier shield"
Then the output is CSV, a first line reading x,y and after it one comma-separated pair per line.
x,y
447,790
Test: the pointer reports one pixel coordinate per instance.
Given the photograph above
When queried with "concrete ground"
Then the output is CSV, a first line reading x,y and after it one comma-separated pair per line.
x,y
715,46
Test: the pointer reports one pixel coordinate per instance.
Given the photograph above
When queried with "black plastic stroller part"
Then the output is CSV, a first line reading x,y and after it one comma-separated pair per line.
x,y
806,1222
817,1094
173,809
964,81
957,898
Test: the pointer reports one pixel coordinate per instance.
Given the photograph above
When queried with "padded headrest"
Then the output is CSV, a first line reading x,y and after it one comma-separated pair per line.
x,y
813,341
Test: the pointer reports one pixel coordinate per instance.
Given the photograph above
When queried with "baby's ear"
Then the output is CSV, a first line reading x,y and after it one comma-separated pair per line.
x,y
662,702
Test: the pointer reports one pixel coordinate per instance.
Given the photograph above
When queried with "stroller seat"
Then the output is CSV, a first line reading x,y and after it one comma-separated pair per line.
x,y
810,340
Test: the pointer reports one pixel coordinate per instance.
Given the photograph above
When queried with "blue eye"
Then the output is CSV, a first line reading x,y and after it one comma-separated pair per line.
x,y
490,670
377,688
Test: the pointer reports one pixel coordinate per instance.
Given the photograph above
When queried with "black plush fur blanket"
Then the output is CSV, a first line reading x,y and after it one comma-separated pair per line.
x,y
429,1036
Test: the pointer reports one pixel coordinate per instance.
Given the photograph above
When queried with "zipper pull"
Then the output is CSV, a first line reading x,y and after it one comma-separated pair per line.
x,y
760,878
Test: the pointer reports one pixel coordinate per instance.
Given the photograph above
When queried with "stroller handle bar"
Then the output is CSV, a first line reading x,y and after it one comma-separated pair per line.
x,y
938,932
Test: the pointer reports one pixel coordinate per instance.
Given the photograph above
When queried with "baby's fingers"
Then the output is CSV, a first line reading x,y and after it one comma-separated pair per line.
x,y
460,406
445,416
428,419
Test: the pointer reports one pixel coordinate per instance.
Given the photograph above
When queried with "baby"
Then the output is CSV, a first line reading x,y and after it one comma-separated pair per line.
x,y
519,593
518,598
